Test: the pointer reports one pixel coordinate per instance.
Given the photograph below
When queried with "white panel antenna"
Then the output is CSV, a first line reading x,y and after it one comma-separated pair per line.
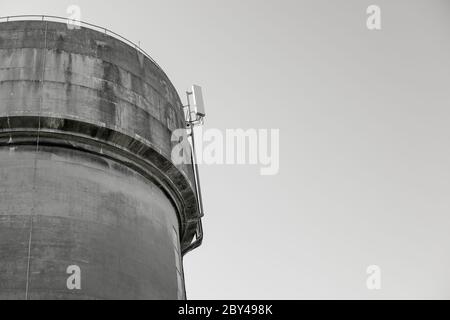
x,y
199,103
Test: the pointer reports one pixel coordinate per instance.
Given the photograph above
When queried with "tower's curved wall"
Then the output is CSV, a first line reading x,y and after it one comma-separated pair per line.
x,y
85,173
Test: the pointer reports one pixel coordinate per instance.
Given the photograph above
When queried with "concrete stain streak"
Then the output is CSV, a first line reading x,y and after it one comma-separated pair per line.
x,y
30,238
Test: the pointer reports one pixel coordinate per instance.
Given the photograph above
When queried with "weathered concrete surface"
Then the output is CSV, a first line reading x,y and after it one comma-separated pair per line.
x,y
83,210
86,176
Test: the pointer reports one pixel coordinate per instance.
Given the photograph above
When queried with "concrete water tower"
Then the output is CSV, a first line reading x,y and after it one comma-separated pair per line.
x,y
91,205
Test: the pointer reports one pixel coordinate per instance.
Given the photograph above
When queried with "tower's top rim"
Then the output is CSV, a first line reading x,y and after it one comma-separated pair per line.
x,y
106,31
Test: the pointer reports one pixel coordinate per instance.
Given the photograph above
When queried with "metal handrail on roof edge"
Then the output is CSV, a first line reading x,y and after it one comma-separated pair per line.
x,y
82,23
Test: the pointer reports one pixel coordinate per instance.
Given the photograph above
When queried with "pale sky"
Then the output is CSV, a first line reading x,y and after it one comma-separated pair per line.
x,y
363,115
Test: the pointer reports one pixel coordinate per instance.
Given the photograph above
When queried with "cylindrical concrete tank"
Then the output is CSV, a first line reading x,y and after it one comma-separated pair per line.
x,y
91,206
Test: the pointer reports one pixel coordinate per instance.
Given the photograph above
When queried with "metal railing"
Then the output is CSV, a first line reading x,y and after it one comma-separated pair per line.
x,y
88,25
